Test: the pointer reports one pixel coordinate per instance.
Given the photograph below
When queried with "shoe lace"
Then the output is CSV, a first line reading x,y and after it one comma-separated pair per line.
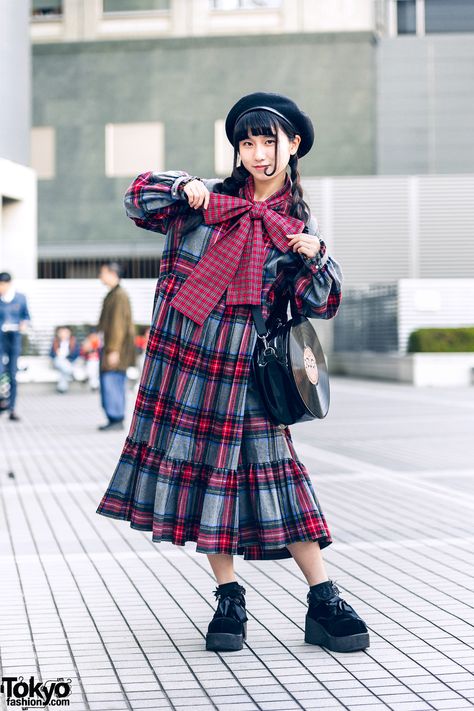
x,y
231,604
335,604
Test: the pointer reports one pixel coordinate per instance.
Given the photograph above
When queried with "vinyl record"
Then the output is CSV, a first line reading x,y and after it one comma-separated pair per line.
x,y
309,367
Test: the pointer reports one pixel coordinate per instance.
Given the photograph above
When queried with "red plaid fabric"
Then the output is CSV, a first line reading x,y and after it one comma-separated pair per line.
x,y
202,462
234,261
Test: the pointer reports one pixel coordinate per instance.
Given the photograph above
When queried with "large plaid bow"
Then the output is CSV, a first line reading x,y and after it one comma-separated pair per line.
x,y
234,258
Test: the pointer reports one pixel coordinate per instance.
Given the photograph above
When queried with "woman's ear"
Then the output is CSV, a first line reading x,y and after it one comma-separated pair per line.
x,y
294,144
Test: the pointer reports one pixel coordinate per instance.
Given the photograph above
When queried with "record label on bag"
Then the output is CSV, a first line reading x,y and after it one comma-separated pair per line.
x,y
310,365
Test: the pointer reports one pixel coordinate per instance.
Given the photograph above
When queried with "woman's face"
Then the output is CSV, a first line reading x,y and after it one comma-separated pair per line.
x,y
257,154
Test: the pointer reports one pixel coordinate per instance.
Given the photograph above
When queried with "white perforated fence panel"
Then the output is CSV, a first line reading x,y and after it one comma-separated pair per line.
x,y
384,228
75,302
446,239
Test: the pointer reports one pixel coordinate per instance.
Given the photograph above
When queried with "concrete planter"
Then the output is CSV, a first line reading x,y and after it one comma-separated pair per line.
x,y
421,369
39,369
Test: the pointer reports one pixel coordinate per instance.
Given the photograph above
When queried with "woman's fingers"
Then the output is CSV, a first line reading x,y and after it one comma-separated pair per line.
x,y
303,237
190,192
198,197
197,194
203,198
308,244
198,201
193,197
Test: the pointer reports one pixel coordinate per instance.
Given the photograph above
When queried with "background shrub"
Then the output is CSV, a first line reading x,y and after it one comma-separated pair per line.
x,y
441,340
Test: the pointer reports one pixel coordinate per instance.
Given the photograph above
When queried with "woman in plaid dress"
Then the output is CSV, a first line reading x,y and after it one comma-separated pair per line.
x,y
202,461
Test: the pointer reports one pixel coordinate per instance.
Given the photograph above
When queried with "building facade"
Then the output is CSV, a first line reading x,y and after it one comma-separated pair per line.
x,y
18,233
124,86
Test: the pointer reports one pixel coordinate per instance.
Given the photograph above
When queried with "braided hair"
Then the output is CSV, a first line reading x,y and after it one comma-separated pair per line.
x,y
299,207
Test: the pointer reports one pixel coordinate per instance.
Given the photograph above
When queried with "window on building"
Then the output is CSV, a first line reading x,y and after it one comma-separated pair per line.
x,y
135,5
406,17
243,4
43,152
449,15
132,148
223,151
45,8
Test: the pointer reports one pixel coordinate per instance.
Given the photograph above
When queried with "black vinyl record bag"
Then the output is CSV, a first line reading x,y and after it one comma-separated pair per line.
x,y
290,369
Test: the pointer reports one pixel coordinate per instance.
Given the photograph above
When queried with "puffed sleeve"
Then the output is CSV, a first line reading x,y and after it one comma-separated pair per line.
x,y
314,283
153,199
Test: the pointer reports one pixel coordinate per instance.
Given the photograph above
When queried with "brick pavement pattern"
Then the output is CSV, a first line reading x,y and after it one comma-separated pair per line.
x,y
86,597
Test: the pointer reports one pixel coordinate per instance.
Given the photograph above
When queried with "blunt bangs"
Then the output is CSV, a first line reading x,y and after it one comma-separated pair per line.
x,y
259,123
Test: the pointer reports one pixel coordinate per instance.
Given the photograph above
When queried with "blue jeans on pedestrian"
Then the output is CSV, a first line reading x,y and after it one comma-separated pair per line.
x,y
112,393
10,346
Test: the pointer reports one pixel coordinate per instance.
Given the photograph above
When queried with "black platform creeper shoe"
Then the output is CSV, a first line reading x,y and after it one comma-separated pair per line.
x,y
228,628
331,622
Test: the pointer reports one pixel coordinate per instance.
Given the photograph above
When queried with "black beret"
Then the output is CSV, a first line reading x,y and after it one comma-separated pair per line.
x,y
279,105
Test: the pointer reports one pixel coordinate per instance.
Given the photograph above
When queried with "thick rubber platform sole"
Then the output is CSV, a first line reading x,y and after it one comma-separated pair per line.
x,y
225,642
316,634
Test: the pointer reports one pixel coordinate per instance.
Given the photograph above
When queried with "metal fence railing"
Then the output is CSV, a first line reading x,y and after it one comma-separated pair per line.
x,y
367,320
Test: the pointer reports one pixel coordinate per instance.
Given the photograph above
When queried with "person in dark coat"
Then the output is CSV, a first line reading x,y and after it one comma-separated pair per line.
x,y
14,316
118,350
203,461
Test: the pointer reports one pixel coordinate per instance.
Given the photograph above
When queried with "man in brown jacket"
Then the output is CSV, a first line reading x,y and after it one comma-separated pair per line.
x,y
118,351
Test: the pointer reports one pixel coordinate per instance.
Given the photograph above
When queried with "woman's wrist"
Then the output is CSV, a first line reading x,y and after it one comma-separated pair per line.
x,y
320,258
178,185
187,179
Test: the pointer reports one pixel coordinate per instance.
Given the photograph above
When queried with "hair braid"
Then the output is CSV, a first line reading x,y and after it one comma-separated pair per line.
x,y
299,208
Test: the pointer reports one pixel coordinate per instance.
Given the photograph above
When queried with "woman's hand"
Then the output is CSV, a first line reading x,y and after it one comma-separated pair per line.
x,y
308,245
197,194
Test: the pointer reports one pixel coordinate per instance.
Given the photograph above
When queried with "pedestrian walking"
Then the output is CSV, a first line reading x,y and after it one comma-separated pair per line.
x,y
14,317
64,352
203,461
118,349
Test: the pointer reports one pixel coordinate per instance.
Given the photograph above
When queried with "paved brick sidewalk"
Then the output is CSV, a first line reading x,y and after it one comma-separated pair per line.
x,y
86,597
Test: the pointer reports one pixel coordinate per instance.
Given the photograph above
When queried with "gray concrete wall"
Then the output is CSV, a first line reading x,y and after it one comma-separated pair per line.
x,y
425,104
15,81
188,84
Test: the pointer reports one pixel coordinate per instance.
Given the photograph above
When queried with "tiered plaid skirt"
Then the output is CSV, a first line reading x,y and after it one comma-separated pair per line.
x,y
254,510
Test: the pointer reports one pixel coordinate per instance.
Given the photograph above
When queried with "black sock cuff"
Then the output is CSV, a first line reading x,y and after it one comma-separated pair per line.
x,y
225,587
320,586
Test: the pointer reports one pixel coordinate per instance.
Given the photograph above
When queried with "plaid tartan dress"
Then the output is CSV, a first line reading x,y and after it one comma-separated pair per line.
x,y
202,462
